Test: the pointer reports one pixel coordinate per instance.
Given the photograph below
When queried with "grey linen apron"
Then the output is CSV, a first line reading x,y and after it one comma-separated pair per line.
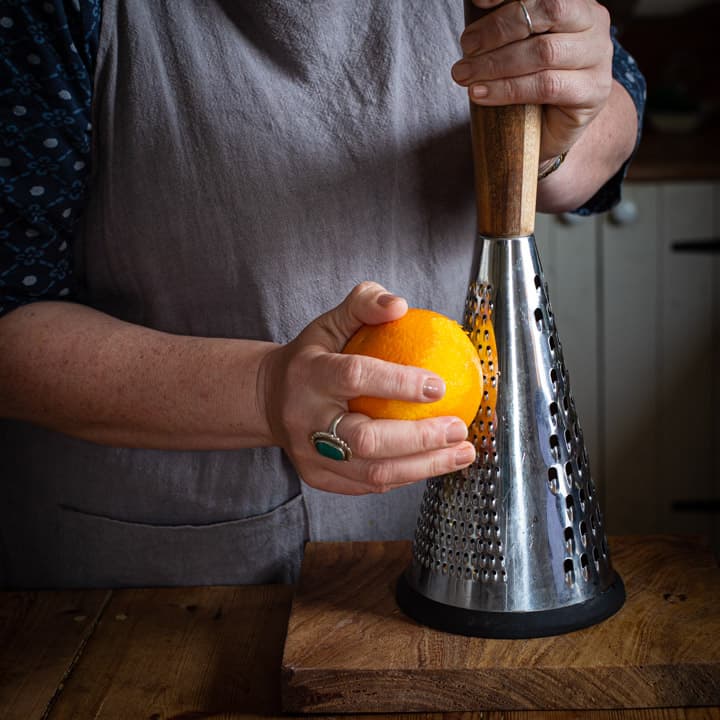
x,y
253,161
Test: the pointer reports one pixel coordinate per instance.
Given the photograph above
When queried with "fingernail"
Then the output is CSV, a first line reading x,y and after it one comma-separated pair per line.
x,y
456,432
479,91
386,299
433,388
461,71
465,456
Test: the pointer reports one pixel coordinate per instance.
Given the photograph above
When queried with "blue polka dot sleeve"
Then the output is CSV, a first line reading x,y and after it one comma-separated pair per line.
x,y
47,52
627,73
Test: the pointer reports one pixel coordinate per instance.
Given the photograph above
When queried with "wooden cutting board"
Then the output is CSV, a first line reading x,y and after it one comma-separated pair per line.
x,y
349,648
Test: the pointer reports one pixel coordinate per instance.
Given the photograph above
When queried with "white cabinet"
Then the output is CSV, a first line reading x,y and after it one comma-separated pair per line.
x,y
637,305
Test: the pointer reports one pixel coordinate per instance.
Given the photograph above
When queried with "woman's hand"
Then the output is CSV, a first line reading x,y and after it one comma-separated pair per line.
x,y
561,57
307,383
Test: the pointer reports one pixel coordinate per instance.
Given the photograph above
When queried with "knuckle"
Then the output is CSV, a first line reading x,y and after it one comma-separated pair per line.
x,y
351,374
404,384
603,16
440,463
364,441
430,437
550,85
491,67
505,25
556,10
549,50
509,91
361,288
379,476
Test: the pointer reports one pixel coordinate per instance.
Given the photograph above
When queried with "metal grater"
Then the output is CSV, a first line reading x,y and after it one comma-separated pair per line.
x,y
514,546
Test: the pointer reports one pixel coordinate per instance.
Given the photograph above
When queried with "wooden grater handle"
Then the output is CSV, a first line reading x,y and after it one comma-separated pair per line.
x,y
506,154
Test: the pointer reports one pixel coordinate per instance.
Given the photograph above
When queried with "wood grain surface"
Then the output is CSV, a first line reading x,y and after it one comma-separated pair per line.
x,y
349,648
42,635
194,653
182,653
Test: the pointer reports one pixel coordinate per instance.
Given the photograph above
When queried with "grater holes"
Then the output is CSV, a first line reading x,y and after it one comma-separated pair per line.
x,y
569,570
596,558
570,507
584,563
583,533
569,473
554,412
538,282
554,380
553,480
569,541
581,495
555,446
552,345
539,319
568,440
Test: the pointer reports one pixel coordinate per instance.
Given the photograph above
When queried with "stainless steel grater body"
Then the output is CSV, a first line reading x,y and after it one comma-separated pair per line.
x,y
514,545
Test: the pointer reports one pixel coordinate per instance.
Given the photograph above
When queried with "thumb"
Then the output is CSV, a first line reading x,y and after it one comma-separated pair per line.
x,y
367,304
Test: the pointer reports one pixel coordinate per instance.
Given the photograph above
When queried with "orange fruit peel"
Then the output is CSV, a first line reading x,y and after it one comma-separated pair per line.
x,y
426,339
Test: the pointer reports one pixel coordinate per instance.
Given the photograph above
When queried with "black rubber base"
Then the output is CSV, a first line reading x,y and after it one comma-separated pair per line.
x,y
509,625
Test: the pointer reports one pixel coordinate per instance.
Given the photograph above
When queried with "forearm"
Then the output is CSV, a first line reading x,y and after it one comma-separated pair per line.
x,y
84,373
594,158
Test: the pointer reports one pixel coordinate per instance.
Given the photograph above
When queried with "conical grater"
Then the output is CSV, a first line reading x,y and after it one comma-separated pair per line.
x,y
513,546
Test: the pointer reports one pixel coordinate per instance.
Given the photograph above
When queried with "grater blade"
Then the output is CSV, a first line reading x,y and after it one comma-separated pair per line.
x,y
514,545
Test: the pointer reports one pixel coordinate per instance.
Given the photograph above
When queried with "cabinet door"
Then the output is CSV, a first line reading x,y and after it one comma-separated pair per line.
x,y
659,362
689,371
568,254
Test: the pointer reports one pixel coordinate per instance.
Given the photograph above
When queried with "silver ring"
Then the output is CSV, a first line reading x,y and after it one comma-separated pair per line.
x,y
329,445
528,19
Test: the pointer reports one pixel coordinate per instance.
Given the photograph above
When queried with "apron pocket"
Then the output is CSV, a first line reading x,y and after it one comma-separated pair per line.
x,y
97,551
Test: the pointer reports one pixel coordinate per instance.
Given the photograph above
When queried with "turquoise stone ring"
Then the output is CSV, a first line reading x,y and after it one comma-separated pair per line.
x,y
329,445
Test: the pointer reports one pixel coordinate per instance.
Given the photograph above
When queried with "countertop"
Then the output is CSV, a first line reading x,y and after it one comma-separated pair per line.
x,y
180,654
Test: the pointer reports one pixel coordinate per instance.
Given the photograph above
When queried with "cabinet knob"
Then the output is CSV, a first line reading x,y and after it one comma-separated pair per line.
x,y
568,218
624,213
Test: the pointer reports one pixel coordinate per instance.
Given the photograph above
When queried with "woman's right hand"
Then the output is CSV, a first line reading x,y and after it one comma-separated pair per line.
x,y
307,383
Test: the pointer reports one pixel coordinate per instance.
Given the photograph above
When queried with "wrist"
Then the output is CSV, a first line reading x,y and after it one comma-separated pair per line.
x,y
265,379
548,167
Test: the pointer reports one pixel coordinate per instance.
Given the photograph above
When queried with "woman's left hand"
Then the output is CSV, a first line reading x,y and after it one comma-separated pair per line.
x,y
558,55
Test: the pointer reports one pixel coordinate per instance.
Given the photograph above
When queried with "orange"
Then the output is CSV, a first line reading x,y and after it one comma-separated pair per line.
x,y
479,317
426,339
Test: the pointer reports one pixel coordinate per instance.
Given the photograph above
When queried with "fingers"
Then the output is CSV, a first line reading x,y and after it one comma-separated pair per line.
x,y
359,477
564,88
350,376
381,439
508,23
367,304
539,53
564,65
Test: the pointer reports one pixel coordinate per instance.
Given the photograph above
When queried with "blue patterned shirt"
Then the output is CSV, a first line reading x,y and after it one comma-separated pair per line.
x,y
47,57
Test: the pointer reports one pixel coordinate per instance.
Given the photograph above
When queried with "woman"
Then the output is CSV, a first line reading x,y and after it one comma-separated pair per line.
x,y
249,165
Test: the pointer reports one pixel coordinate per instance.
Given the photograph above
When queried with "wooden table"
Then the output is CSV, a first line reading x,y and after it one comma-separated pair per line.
x,y
174,654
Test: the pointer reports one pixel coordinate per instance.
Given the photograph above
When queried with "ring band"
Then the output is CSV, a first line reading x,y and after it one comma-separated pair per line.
x,y
329,445
528,19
